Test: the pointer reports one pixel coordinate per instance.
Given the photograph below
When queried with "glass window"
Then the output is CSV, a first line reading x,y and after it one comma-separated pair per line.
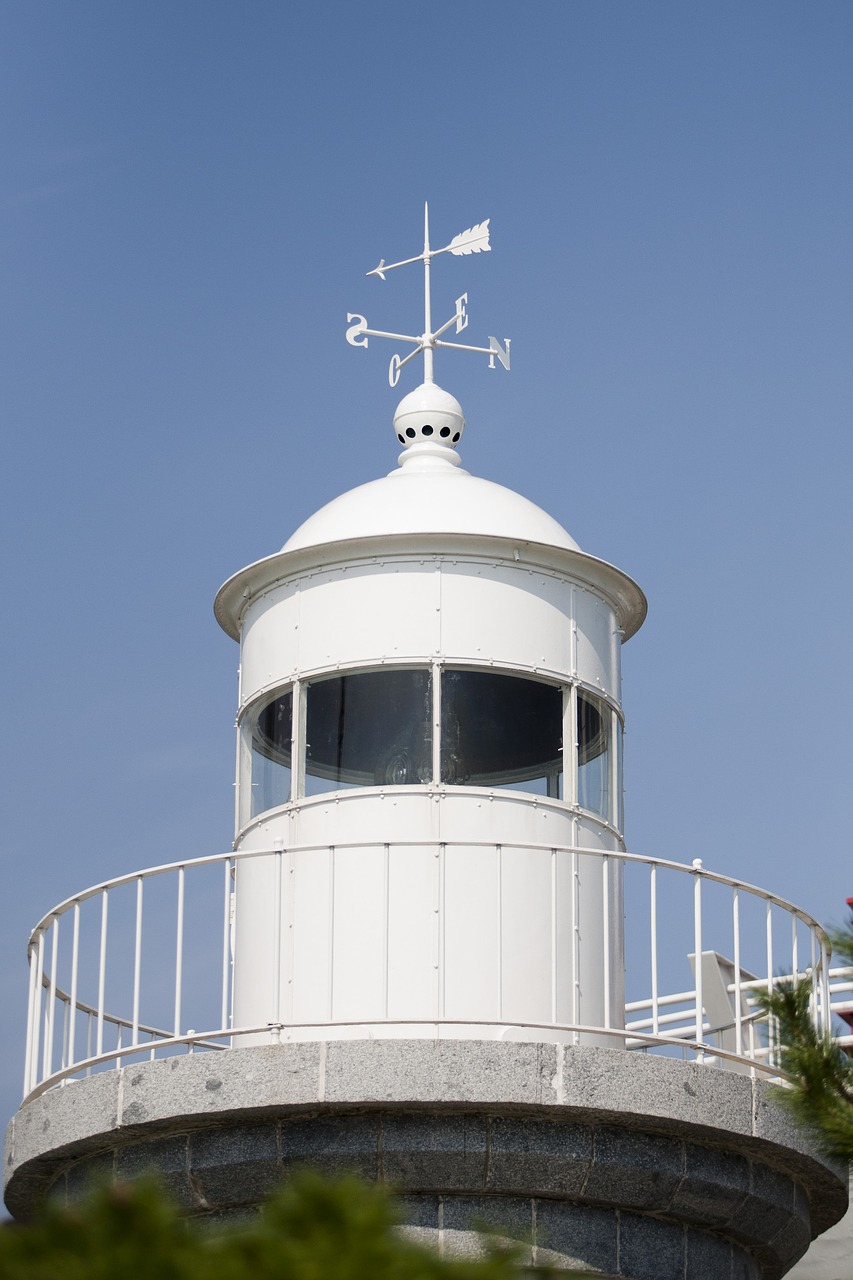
x,y
271,731
501,731
620,785
594,755
371,728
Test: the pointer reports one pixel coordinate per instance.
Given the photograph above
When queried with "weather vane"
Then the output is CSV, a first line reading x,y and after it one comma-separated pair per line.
x,y
474,240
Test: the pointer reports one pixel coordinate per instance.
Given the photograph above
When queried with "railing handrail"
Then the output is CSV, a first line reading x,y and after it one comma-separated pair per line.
x,y
235,856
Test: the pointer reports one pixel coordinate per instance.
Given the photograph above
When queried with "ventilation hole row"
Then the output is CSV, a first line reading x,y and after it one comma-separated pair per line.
x,y
427,430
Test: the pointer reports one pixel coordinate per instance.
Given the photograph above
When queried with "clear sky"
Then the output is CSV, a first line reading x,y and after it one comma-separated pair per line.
x,y
190,195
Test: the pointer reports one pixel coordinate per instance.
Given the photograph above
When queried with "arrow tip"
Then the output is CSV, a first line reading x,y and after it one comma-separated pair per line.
x,y
377,271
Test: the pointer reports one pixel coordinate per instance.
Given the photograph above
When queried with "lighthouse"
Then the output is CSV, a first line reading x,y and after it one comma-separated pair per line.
x,y
415,957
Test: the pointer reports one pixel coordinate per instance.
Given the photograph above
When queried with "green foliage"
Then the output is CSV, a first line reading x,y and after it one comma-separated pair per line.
x,y
312,1229
820,1092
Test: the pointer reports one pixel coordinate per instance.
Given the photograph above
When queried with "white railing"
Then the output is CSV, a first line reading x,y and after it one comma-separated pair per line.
x,y
158,943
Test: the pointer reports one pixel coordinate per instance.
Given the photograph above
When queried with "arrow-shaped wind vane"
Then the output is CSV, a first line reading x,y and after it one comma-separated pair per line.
x,y
474,240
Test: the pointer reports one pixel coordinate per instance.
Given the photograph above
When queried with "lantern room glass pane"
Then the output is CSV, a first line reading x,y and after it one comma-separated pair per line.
x,y
594,773
368,729
500,730
271,732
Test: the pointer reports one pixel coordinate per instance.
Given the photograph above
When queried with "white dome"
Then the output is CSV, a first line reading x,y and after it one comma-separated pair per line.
x,y
430,493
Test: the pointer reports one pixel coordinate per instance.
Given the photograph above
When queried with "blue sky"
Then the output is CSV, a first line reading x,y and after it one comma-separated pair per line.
x,y
190,195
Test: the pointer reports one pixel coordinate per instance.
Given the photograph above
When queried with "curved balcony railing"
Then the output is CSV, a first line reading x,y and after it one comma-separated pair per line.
x,y
157,945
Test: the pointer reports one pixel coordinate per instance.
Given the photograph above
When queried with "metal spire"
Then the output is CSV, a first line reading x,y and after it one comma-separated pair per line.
x,y
474,240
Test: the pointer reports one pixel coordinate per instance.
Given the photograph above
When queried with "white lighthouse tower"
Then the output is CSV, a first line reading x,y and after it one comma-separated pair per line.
x,y
412,963
429,705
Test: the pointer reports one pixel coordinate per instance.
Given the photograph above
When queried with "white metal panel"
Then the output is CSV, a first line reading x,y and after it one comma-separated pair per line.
x,y
527,970
502,817
596,622
413,931
254,941
371,816
269,648
471,929
311,970
564,866
367,613
360,934
505,613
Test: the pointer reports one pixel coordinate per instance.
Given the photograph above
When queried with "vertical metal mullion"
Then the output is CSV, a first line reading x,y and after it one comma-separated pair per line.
x,y
298,748
102,970
179,953
436,722
137,962
226,942
570,749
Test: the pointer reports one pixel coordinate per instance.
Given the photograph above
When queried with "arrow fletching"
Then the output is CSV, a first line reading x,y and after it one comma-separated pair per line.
x,y
379,271
474,240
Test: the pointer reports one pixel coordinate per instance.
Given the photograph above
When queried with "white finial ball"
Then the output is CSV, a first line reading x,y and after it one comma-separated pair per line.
x,y
429,415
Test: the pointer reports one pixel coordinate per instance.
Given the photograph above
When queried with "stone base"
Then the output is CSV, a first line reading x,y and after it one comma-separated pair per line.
x,y
628,1165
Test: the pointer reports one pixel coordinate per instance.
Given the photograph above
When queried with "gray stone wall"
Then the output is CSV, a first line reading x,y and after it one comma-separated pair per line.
x,y
637,1167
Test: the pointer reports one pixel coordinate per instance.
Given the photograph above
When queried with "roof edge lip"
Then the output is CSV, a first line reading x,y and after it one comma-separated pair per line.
x,y
236,593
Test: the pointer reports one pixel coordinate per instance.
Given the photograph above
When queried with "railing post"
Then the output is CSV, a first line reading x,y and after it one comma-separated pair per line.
x,y
697,950
32,1021
605,907
771,1023
226,943
653,921
102,971
137,962
179,952
737,992
75,973
576,951
51,1008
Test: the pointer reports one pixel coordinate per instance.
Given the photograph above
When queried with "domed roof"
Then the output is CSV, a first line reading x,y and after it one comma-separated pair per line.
x,y
430,493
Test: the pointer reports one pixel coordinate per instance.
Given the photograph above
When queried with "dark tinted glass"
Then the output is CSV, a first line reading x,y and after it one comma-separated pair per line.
x,y
369,729
271,748
500,730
